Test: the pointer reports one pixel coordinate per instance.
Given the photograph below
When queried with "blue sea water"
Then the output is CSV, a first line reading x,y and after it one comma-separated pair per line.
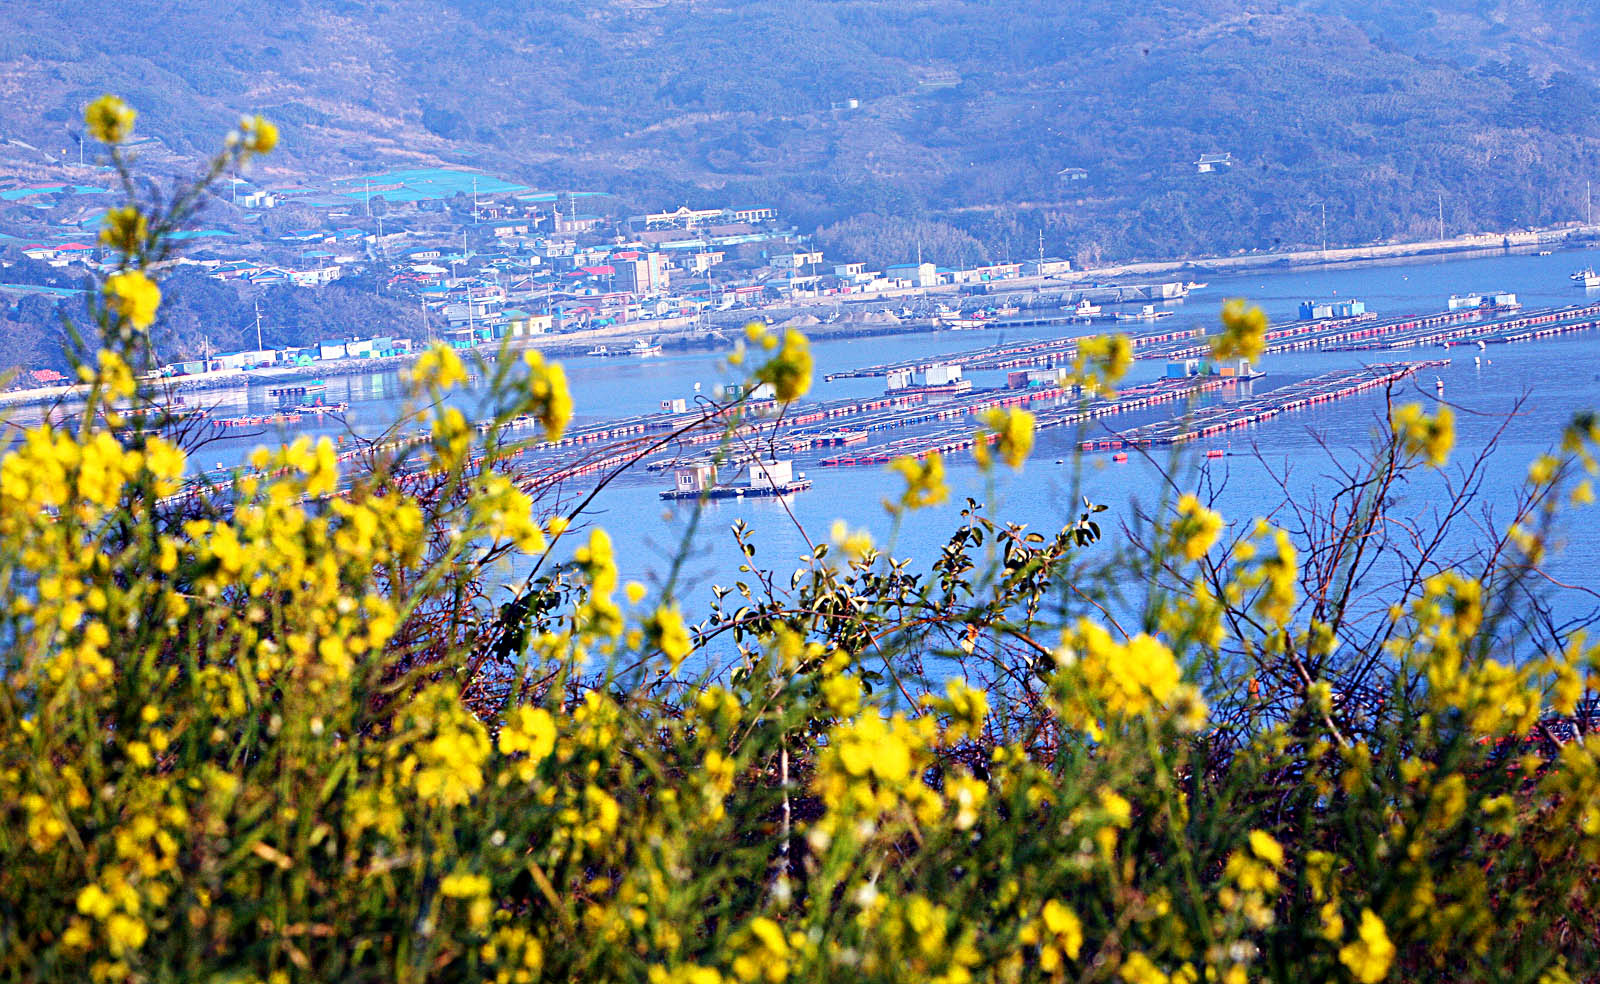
x,y
1517,399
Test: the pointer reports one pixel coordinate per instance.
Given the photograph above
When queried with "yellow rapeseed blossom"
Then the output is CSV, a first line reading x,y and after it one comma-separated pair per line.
x,y
667,632
789,369
1196,529
132,297
110,120
1063,936
437,367
1101,361
125,229
1120,680
1139,969
114,374
1369,957
1010,431
446,763
764,953
924,482
257,135
965,709
1421,436
531,733
549,398
1244,332
854,544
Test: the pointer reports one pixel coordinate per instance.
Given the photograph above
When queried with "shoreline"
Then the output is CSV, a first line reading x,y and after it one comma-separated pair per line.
x,y
685,335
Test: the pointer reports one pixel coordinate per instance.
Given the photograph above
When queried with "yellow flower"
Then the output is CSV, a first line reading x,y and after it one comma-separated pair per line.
x,y
1013,431
1244,332
1368,958
1421,436
125,228
1196,529
1119,679
115,374
133,297
549,398
124,933
1065,937
440,367
789,370
1101,361
463,886
1139,969
855,544
765,952
1266,848
924,482
110,120
667,633
965,707
258,136
530,730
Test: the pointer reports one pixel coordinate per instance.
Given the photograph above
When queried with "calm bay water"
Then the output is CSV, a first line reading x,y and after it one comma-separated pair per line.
x,y
1543,383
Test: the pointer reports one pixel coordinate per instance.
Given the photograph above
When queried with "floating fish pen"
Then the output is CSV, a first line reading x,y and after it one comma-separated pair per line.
x,y
1212,421
1545,323
282,417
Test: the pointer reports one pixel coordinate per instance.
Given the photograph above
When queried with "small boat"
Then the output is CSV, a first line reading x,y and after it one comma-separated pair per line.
x,y
639,348
764,478
1544,252
1586,277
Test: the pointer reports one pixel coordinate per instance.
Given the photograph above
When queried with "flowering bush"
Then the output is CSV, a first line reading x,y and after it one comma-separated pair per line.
x,y
276,730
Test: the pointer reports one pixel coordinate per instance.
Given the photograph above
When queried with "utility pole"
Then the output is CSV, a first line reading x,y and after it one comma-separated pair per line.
x,y
1324,230
258,325
1041,250
1588,203
368,185
1441,216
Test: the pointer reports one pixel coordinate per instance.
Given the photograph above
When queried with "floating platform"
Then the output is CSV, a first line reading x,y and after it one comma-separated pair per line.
x,y
302,389
739,491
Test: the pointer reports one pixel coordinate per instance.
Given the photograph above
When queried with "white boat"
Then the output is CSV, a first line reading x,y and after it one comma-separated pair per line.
x,y
958,323
1085,309
1586,277
640,348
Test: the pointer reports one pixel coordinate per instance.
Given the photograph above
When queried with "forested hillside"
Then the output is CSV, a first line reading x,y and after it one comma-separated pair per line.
x,y
968,111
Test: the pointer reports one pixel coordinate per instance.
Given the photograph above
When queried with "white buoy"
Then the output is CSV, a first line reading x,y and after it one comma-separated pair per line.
x,y
1477,361
1438,386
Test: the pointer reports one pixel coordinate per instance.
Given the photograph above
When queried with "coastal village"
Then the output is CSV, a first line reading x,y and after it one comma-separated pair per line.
x,y
485,260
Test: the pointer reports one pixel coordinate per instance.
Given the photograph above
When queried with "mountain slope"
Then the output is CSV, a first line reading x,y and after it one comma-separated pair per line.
x,y
966,111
